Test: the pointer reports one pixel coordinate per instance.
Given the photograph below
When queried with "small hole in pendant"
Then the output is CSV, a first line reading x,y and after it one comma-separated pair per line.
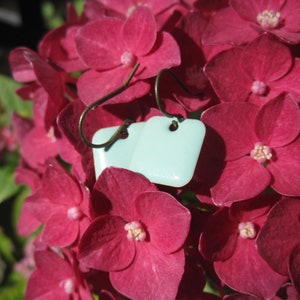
x,y
124,134
173,126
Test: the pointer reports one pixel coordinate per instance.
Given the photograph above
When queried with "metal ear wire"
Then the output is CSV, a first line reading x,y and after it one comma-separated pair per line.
x,y
123,127
179,117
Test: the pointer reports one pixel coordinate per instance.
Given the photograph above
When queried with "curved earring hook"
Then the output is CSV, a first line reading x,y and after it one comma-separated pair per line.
x,y
94,105
179,117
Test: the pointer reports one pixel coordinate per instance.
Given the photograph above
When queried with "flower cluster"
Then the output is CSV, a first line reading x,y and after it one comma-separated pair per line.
x,y
119,236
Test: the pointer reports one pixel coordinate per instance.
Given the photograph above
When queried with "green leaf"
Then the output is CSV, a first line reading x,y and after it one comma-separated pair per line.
x,y
14,288
6,248
8,187
10,102
16,210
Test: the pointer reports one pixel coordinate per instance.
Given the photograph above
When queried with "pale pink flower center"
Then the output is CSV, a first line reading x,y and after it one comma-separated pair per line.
x,y
128,59
74,213
268,18
135,231
69,285
247,230
50,134
261,153
258,87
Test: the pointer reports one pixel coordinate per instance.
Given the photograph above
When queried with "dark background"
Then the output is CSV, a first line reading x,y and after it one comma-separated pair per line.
x,y
22,23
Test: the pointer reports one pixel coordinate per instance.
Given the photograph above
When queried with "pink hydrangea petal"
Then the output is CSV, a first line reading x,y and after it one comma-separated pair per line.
x,y
223,231
227,27
285,169
274,59
28,177
289,12
40,206
280,233
59,187
21,126
21,69
37,147
68,123
118,6
238,134
248,10
67,151
294,267
152,275
126,6
165,56
47,76
283,127
105,246
241,179
139,31
59,45
249,210
44,282
122,187
40,287
60,231
166,220
94,85
227,76
27,223
287,36
60,268
247,272
98,43
290,82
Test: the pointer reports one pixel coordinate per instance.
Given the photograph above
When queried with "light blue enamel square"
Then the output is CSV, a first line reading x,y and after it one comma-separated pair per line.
x,y
119,153
168,157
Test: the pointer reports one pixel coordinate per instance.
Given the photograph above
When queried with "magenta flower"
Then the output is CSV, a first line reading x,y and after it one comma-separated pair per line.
x,y
111,47
58,45
38,144
188,35
140,241
229,240
257,73
278,241
244,20
27,223
62,205
56,277
44,84
259,150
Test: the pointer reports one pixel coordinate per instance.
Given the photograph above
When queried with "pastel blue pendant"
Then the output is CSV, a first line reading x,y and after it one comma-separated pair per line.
x,y
168,157
120,152
163,156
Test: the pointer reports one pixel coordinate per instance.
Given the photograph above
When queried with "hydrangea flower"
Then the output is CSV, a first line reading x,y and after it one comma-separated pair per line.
x,y
44,83
139,241
112,46
120,236
62,281
58,45
259,150
61,204
256,73
278,241
242,21
229,240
